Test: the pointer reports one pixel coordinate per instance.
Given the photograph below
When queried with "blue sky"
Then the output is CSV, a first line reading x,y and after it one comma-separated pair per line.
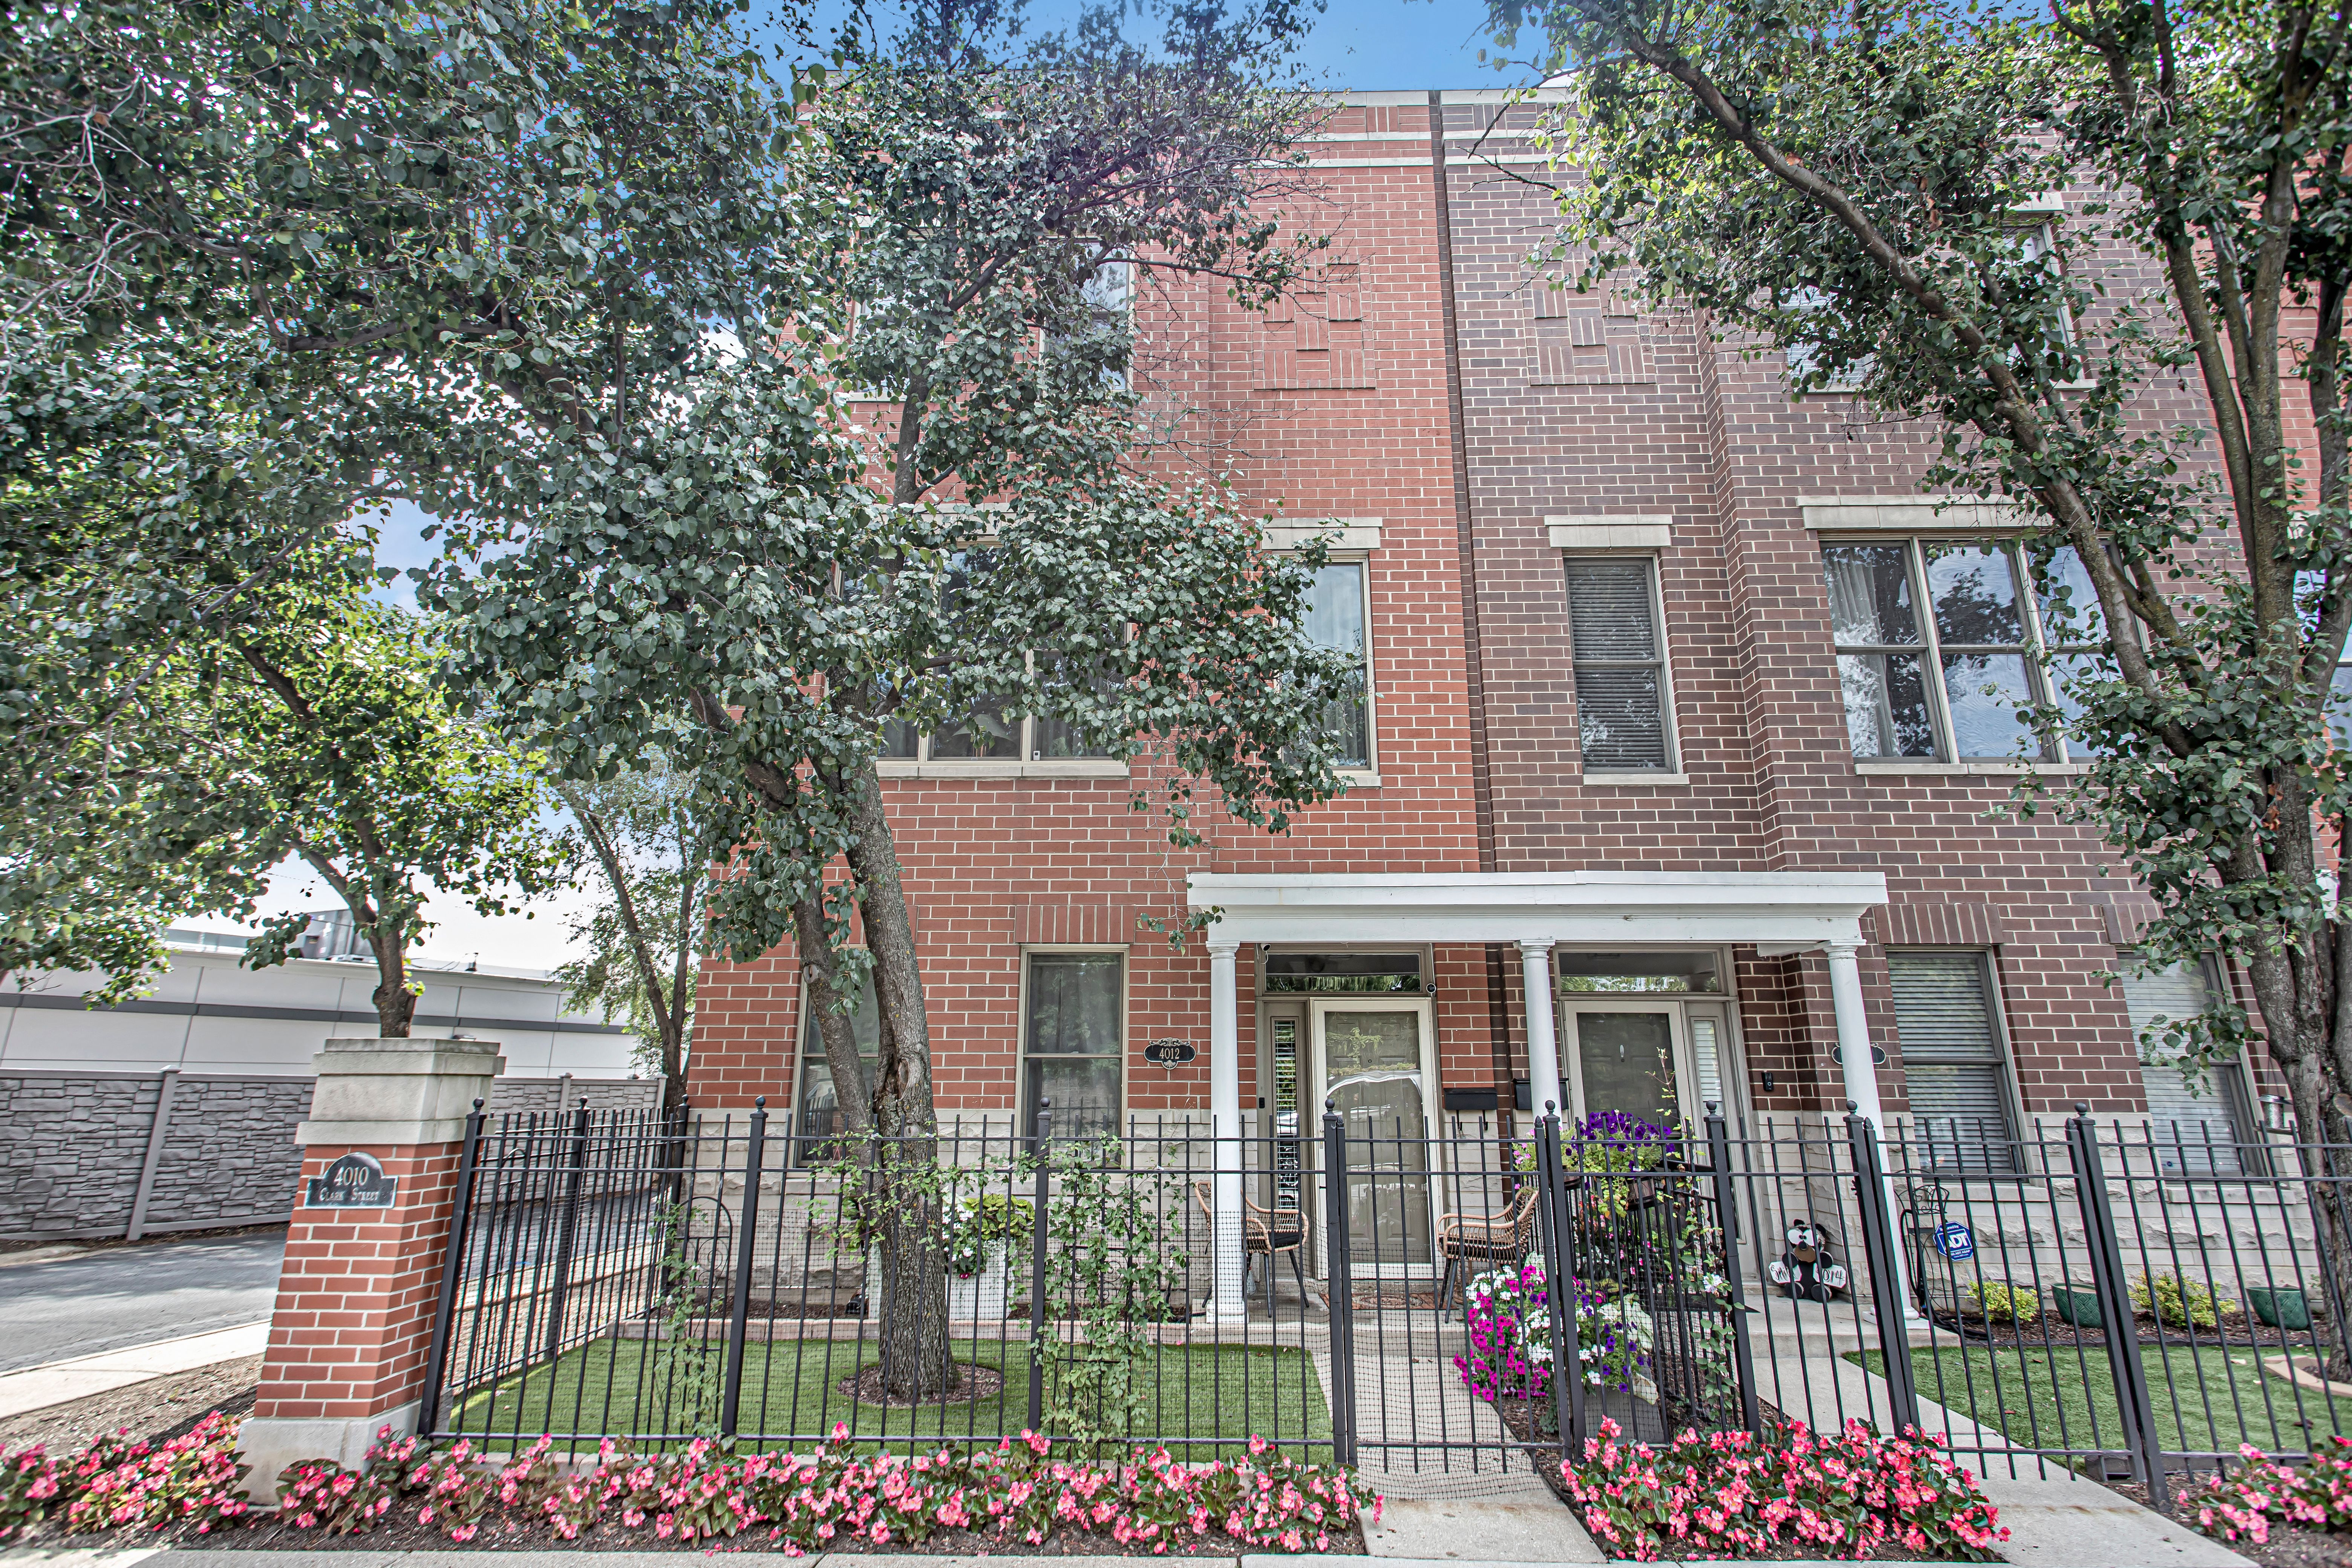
x,y
1359,44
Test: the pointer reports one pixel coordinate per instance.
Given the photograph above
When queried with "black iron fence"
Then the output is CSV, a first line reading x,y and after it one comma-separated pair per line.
x,y
2106,1296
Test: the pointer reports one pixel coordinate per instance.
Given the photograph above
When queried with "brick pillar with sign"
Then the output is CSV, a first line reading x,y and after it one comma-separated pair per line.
x,y
354,1323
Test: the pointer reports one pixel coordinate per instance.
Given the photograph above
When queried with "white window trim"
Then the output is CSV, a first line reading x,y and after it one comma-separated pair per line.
x,y
1671,719
1021,1023
1931,658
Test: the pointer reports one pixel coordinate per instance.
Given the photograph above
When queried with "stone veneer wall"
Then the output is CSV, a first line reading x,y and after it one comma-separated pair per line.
x,y
74,1147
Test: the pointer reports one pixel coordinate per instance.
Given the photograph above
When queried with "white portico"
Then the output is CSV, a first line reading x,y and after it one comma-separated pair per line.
x,y
1539,912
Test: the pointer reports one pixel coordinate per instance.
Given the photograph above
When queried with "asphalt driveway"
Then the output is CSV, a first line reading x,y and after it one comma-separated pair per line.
x,y
111,1297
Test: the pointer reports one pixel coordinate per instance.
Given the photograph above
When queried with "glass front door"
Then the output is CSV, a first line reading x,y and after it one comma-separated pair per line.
x,y
1626,1057
1370,1060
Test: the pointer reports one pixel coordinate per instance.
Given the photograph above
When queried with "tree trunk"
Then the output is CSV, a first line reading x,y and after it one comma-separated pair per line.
x,y
914,1305
394,1005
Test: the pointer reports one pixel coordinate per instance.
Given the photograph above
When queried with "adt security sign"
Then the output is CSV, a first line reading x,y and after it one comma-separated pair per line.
x,y
1957,1243
354,1182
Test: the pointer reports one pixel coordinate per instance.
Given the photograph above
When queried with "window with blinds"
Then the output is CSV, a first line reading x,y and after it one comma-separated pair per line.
x,y
1954,1067
2196,1126
1621,713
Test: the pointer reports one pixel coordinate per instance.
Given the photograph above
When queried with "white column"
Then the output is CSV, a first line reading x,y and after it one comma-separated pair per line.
x,y
1859,1067
1543,1036
1853,1033
1228,1304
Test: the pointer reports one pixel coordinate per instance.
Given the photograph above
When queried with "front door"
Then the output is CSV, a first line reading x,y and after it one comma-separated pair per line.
x,y
1625,1054
1372,1062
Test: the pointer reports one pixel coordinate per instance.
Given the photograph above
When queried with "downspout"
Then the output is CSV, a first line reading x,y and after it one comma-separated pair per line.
x,y
1482,783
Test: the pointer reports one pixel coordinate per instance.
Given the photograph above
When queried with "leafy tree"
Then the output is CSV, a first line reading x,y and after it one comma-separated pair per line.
x,y
638,829
329,704
1862,183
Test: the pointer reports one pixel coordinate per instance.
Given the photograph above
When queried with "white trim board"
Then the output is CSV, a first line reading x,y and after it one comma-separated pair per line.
x,y
1583,908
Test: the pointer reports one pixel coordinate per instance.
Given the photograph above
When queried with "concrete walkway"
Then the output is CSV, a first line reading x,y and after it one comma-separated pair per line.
x,y
39,1387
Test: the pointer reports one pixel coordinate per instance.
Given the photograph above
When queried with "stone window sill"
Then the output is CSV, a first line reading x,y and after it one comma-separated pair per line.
x,y
1965,769
1622,781
1004,768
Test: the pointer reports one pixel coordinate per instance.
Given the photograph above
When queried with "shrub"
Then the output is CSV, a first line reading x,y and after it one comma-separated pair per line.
x,y
2180,1303
195,1478
1999,1304
1726,1495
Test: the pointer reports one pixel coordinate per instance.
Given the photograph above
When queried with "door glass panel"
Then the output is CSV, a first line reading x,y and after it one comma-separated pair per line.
x,y
1388,1169
1372,1070
1372,1042
1627,1061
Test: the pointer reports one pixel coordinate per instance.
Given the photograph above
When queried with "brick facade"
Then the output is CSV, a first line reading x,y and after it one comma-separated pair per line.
x,y
1339,406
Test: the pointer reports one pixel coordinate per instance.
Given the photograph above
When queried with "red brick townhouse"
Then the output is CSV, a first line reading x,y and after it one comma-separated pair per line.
x,y
1674,769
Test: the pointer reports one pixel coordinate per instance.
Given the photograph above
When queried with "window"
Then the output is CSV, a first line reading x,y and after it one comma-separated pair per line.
x,y
1354,973
2196,1127
1621,696
1338,616
819,1123
2073,627
1070,1044
1949,684
1953,1062
1694,972
993,729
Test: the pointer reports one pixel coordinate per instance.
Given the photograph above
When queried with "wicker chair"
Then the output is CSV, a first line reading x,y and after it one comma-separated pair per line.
x,y
1265,1232
1467,1239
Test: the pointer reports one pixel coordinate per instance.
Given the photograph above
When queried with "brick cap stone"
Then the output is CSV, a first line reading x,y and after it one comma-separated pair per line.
x,y
373,1091
270,1443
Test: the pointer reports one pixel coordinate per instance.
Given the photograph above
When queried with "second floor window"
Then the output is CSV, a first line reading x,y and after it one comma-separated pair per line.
x,y
1624,717
1936,649
991,730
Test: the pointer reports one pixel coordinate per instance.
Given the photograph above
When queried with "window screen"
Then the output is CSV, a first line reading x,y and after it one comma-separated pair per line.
x,y
1071,1043
1621,680
1952,1060
2197,1128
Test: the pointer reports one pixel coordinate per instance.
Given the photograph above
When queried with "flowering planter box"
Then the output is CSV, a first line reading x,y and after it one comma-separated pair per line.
x,y
977,1296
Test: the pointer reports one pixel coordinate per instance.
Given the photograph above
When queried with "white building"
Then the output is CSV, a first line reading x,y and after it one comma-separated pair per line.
x,y
208,1014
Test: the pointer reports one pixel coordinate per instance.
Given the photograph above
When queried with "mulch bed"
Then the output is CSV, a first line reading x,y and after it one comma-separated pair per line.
x,y
2236,1331
977,1382
2290,1546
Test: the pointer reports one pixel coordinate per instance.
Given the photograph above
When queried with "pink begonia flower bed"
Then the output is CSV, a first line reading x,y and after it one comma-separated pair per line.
x,y
1724,1494
2263,1491
1018,1494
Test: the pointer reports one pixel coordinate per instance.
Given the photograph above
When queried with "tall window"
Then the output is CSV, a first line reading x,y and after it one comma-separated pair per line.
x,y
1071,1042
1947,683
1954,1064
1622,711
1337,618
2196,1127
819,1123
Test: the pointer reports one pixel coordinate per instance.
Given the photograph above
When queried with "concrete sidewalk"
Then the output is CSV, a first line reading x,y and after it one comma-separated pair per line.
x,y
54,1382
149,1557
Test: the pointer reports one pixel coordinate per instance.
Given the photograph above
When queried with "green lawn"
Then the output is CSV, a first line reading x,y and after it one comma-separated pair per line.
x,y
2206,1400
791,1389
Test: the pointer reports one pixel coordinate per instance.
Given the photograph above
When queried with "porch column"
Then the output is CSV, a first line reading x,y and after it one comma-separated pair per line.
x,y
1543,1037
1229,1303
1859,1068
1854,1057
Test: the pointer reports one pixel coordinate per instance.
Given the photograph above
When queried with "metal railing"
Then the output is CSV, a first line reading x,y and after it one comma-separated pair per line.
x,y
2108,1298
